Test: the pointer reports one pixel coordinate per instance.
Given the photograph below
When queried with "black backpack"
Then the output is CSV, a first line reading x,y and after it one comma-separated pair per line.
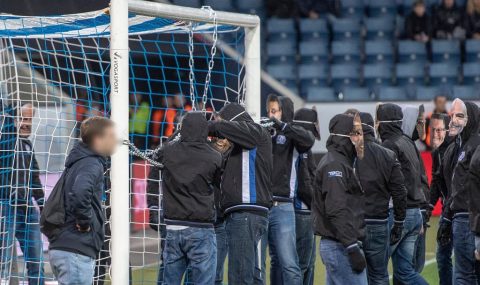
x,y
52,218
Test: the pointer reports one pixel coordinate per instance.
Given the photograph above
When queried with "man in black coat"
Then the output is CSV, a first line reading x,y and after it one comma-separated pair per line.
x,y
448,21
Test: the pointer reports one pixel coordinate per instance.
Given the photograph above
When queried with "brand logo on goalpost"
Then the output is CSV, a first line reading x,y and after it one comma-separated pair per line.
x,y
116,57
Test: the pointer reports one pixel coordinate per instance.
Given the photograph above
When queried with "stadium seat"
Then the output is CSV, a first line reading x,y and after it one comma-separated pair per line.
x,y
250,6
378,8
319,94
466,92
392,94
409,51
424,93
446,51
224,5
344,75
399,26
355,94
472,50
346,29
188,3
353,9
346,51
380,28
314,52
285,73
471,73
379,52
314,30
443,74
281,53
281,30
410,74
312,75
376,75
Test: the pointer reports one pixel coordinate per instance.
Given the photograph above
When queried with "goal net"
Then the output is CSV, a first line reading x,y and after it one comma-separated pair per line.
x,y
56,71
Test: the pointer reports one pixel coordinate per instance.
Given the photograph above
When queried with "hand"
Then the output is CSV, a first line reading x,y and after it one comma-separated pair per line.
x,y
277,124
396,233
356,258
154,223
444,234
426,217
83,229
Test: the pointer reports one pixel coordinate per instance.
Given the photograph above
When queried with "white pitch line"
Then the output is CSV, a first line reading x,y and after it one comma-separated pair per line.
x,y
427,263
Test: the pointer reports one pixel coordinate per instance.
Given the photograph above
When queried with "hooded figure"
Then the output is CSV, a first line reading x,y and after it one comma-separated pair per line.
x,y
338,201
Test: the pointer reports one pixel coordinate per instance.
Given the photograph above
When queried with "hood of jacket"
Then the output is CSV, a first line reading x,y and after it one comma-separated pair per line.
x,y
307,119
389,112
341,124
80,151
235,112
472,127
368,126
409,123
287,109
194,127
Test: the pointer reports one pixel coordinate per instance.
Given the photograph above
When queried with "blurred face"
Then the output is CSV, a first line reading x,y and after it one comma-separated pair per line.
x,y
356,136
459,118
449,3
438,132
222,145
274,110
24,121
440,104
419,10
476,3
106,144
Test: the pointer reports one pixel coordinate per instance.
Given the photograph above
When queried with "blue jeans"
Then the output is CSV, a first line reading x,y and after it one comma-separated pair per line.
x,y
72,268
337,265
403,252
222,250
193,247
375,247
305,246
245,231
282,244
464,248
444,262
419,260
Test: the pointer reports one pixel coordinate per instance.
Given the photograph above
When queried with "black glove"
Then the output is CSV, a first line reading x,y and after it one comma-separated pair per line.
x,y
396,233
356,258
426,214
154,221
277,124
444,234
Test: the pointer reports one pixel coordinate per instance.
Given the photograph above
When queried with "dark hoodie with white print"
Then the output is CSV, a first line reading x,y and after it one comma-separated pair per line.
x,y
287,144
390,117
246,180
338,199
456,166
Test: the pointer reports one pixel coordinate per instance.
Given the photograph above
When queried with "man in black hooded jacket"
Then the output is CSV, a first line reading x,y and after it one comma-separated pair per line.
x,y
245,191
338,205
389,123
455,225
288,141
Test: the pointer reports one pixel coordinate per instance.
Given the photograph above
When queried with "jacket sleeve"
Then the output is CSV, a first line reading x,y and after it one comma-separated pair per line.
x,y
437,185
153,183
82,191
301,138
474,192
239,133
424,181
339,213
36,184
305,178
409,29
398,192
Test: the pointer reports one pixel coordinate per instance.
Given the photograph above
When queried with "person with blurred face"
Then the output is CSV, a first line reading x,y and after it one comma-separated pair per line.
x,y
417,24
439,107
455,225
448,21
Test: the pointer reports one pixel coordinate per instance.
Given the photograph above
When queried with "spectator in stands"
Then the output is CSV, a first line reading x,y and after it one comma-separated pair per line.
x,y
314,9
78,242
448,21
473,19
417,24
281,8
439,107
139,118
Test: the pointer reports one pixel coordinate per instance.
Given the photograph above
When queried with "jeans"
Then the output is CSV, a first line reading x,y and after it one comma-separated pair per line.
x,y
22,223
72,268
193,247
419,260
245,231
375,247
464,248
282,244
403,252
305,246
222,250
444,262
337,265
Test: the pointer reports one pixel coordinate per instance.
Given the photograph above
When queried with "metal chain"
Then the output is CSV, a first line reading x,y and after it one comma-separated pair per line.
x,y
213,51
147,155
191,63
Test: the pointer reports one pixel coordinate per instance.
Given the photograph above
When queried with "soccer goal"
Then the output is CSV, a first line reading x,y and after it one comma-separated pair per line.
x,y
140,63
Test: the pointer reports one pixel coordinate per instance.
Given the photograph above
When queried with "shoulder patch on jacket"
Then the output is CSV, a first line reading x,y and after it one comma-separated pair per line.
x,y
335,173
281,139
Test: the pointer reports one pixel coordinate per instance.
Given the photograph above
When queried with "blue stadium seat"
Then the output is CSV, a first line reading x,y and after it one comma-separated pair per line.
x,y
472,50
353,9
312,75
399,26
392,94
346,29
314,30
443,74
410,74
188,3
446,51
346,51
319,94
424,93
411,51
344,75
356,94
380,28
285,73
379,52
466,92
377,8
250,6
376,75
281,30
471,73
314,52
223,5
281,53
